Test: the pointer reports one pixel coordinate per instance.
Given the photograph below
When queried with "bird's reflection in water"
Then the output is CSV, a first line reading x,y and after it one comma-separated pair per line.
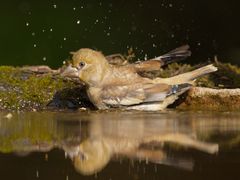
x,y
93,139
140,137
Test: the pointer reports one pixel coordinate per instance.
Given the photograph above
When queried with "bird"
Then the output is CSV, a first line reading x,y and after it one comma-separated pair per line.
x,y
112,86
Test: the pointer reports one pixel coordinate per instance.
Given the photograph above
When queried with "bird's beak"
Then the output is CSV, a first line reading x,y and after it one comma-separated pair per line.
x,y
71,72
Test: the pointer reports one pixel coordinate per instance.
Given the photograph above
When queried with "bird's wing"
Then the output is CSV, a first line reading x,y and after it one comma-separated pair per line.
x,y
156,63
146,66
177,54
138,93
116,59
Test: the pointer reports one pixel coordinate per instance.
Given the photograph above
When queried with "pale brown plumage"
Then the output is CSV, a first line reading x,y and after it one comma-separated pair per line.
x,y
121,86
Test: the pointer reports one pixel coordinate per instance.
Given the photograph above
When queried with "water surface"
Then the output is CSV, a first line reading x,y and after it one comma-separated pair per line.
x,y
120,145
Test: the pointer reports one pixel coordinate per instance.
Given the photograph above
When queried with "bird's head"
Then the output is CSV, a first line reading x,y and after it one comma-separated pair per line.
x,y
93,156
89,65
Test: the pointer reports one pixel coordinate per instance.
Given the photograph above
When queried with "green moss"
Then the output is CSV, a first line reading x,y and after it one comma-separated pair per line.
x,y
20,89
175,69
227,76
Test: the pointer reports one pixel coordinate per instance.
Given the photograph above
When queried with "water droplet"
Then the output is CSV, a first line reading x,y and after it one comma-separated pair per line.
x,y
35,45
146,160
108,34
64,38
96,21
152,35
81,7
46,157
172,35
27,24
199,44
170,5
54,6
51,30
78,21
74,8
44,58
33,34
37,174
43,30
145,57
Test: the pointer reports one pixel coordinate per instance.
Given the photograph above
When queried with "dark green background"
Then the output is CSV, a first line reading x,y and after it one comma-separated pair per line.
x,y
151,27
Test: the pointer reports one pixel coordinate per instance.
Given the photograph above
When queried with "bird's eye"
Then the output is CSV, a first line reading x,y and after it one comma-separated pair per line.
x,y
82,64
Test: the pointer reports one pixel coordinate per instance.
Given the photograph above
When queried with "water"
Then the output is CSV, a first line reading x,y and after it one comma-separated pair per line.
x,y
120,145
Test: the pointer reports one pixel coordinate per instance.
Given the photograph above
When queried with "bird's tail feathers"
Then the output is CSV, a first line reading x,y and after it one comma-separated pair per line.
x,y
188,77
177,54
202,71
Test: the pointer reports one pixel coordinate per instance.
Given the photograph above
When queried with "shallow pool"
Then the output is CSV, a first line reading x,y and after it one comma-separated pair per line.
x,y
120,145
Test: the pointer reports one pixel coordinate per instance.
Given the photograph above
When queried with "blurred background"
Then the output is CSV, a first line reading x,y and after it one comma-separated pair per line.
x,y
44,32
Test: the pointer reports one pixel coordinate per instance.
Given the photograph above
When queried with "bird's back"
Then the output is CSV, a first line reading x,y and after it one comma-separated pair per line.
x,y
122,87
123,75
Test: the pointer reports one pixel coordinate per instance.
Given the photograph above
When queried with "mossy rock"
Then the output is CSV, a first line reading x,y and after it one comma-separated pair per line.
x,y
40,88
199,98
21,89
